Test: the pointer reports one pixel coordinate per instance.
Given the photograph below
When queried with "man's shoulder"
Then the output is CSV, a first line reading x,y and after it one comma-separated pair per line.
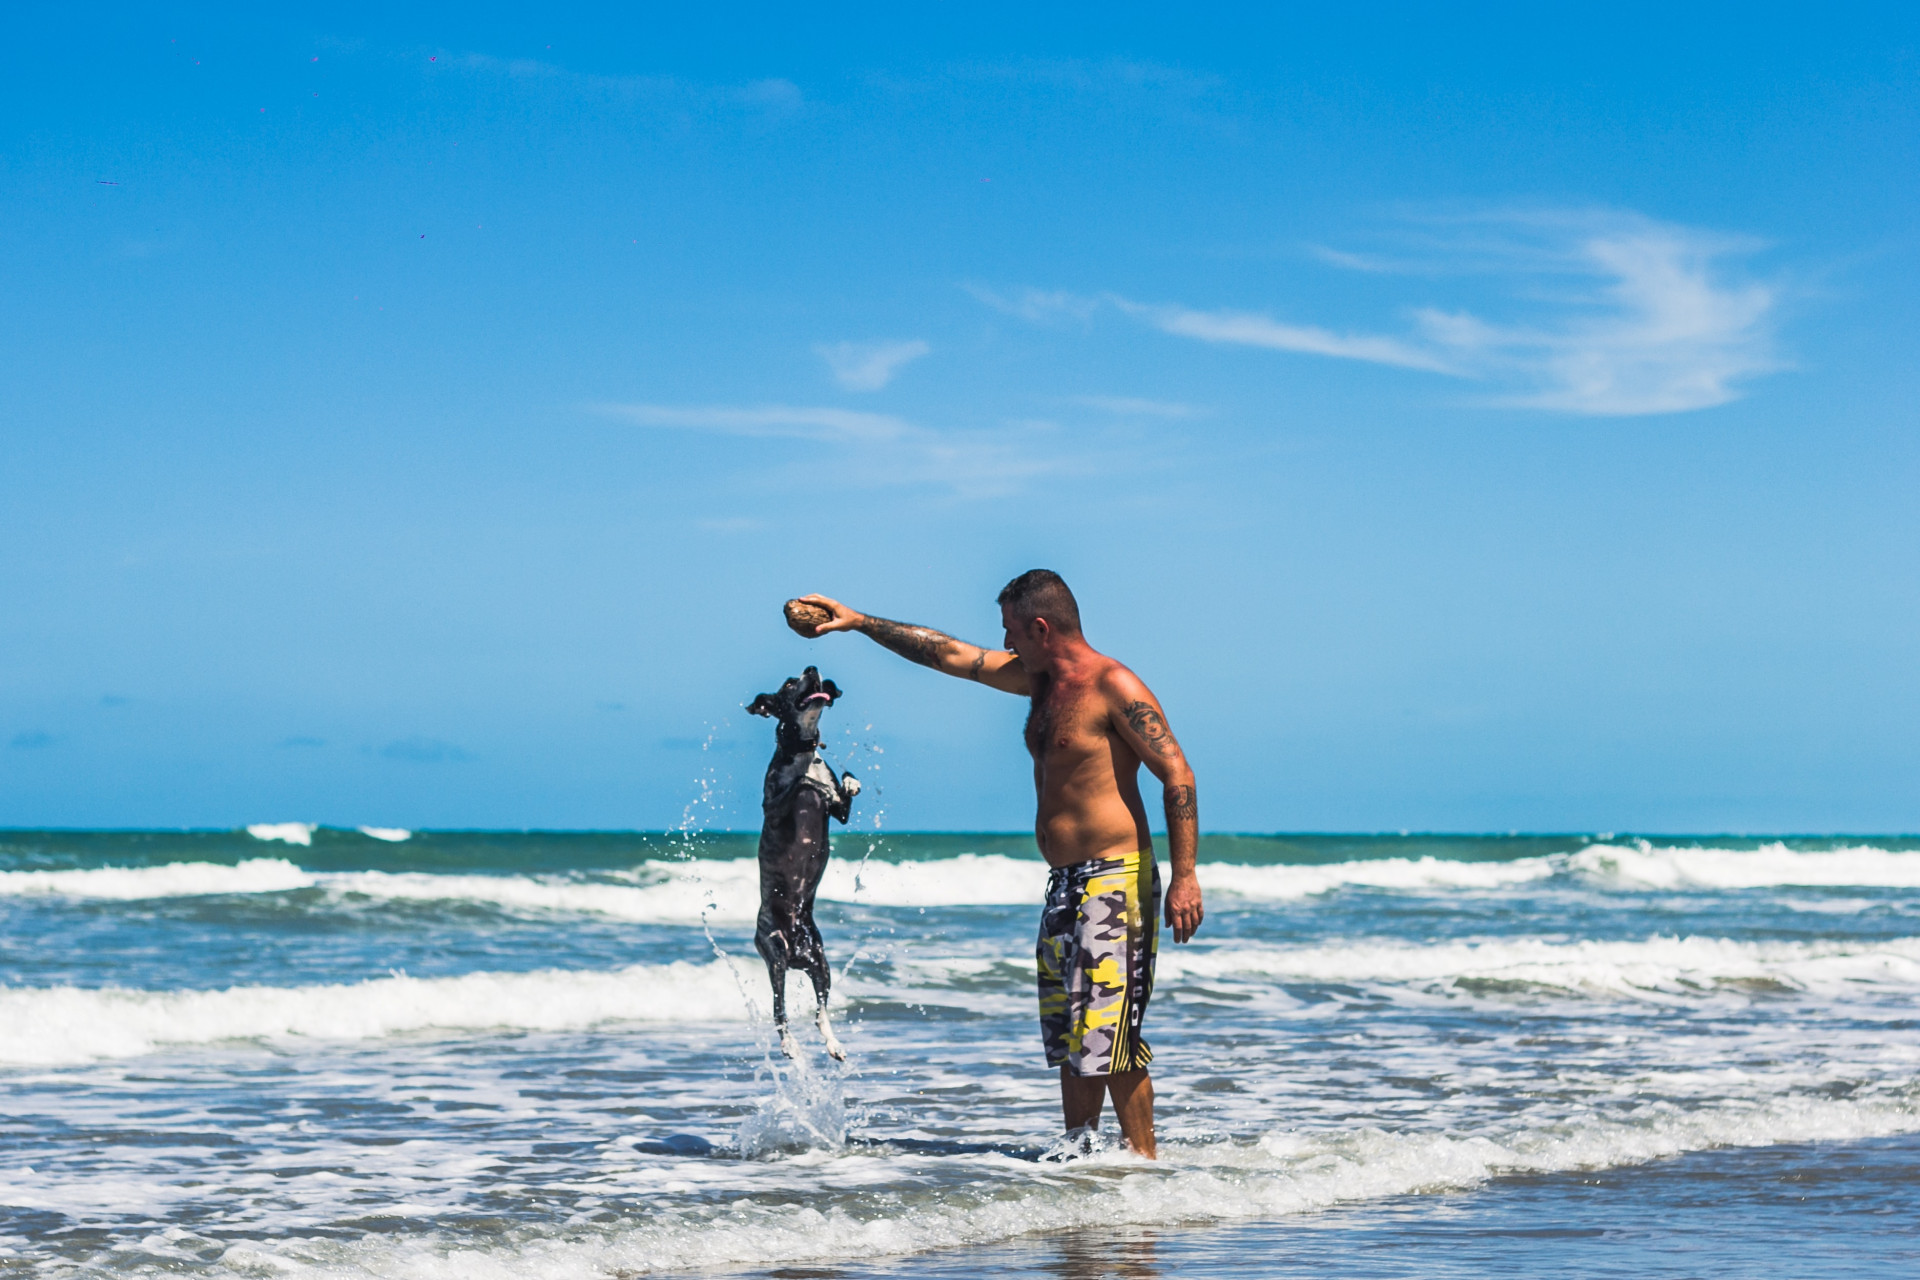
x,y
1117,680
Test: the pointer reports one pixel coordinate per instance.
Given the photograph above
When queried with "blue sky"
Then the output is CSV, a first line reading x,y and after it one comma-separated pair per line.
x,y
416,416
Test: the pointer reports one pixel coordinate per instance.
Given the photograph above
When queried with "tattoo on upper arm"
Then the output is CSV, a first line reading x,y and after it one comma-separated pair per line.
x,y
923,645
1150,726
979,664
1182,804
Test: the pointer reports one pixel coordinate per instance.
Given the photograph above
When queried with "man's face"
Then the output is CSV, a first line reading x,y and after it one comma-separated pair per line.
x,y
1026,638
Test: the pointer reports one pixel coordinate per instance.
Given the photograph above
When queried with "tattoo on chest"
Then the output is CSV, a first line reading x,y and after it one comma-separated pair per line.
x,y
1150,726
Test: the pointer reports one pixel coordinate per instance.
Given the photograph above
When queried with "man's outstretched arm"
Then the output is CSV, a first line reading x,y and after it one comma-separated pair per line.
x,y
995,668
1142,725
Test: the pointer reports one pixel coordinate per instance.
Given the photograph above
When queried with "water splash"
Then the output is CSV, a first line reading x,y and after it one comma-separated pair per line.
x,y
701,811
1084,1144
806,1111
869,820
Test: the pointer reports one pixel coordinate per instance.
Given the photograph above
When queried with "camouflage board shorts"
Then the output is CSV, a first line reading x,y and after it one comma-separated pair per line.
x,y
1098,933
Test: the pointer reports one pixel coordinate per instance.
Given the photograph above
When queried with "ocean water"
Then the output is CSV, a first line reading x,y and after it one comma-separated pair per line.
x,y
299,1052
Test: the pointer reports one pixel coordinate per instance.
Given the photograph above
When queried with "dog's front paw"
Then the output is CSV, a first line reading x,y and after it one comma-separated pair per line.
x,y
850,785
787,1046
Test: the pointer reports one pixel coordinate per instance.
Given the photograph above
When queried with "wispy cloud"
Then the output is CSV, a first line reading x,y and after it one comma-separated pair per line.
x,y
1351,261
1652,323
869,366
1247,328
1036,305
1243,327
1135,407
835,426
1609,313
879,450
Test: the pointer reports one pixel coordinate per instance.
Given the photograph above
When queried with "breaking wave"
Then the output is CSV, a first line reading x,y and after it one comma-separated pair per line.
x,y
300,833
168,880
49,1025
1660,967
727,889
1607,866
1278,883
1769,866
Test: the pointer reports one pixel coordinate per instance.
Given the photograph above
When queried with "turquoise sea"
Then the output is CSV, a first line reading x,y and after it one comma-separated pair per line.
x,y
309,1052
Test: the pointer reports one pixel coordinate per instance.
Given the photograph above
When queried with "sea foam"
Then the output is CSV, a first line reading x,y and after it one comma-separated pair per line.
x,y
300,833
1652,968
51,1025
662,891
1281,1173
1643,864
167,880
1278,883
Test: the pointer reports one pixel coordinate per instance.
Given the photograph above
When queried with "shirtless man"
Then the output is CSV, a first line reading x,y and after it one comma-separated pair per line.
x,y
1091,726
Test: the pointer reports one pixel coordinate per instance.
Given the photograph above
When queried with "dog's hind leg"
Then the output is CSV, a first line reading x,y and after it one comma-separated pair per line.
x,y
771,943
835,1049
815,963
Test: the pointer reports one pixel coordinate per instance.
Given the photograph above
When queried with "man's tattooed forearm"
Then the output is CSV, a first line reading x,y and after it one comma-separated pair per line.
x,y
1182,804
1150,726
923,645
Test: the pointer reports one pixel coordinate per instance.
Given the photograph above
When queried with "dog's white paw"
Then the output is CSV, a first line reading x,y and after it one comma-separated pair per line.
x,y
850,785
834,1049
787,1045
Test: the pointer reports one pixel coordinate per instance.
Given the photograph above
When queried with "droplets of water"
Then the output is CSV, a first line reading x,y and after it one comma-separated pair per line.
x,y
806,1110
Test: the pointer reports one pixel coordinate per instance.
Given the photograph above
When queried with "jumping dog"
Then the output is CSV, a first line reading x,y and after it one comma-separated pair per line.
x,y
801,793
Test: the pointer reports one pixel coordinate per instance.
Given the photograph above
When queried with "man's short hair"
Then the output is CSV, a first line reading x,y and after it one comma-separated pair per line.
x,y
1042,593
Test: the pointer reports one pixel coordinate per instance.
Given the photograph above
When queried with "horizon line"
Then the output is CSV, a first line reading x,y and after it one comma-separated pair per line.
x,y
670,832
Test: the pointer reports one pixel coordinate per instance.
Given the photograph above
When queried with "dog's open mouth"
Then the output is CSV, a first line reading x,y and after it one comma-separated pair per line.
x,y
821,695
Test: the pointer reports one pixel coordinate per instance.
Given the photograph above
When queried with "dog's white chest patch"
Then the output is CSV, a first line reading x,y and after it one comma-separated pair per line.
x,y
809,768
821,774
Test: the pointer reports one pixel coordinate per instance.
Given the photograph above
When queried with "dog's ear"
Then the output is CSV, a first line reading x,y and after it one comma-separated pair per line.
x,y
761,706
832,691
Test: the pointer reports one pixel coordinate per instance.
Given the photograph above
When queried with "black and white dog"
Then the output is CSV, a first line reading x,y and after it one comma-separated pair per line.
x,y
801,793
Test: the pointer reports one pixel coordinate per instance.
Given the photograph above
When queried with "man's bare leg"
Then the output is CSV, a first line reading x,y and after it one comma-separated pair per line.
x,y
1133,1103
1081,1097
